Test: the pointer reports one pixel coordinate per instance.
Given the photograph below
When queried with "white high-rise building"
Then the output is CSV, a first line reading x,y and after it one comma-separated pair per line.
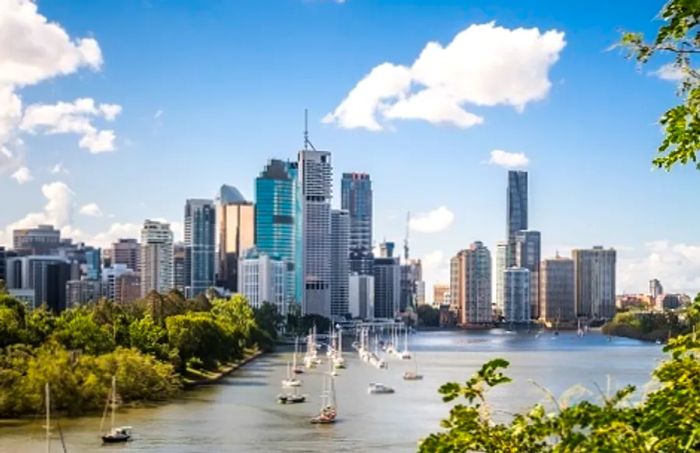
x,y
314,250
516,295
595,282
156,257
262,278
501,260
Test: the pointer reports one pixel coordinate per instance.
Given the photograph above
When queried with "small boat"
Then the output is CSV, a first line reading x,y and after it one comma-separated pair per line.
x,y
377,389
405,355
290,381
116,434
291,398
296,368
329,411
413,375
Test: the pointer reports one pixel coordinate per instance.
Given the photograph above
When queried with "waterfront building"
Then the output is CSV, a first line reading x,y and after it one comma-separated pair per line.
x,y
387,283
42,240
361,296
314,223
127,251
156,257
527,255
516,295
595,282
262,279
340,266
440,294
80,292
236,233
501,264
557,290
356,198
200,246
470,288
275,192
655,288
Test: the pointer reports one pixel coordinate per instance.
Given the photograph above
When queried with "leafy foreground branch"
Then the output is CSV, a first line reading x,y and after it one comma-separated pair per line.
x,y
666,420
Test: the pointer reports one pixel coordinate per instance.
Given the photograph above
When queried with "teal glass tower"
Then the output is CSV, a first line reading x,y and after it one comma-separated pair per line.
x,y
274,216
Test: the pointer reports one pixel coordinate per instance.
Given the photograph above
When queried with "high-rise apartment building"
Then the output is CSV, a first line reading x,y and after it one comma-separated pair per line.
x,y
517,209
655,288
156,257
236,233
501,265
80,292
200,245
340,266
440,293
179,266
387,287
470,287
527,255
262,279
557,290
595,282
275,192
516,295
314,190
42,240
127,251
356,198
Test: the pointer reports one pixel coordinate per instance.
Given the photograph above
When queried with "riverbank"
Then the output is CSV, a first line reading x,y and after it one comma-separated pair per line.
x,y
195,378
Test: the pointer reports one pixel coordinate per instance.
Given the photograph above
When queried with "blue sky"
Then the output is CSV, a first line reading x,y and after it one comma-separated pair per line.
x,y
210,90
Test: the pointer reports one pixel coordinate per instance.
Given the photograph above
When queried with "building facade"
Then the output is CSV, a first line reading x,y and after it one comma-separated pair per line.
x,y
361,296
441,293
315,175
516,293
127,251
557,291
516,210
39,279
340,266
655,288
501,264
356,198
200,246
275,191
42,240
470,287
262,279
156,257
595,282
527,255
236,233
387,287
80,292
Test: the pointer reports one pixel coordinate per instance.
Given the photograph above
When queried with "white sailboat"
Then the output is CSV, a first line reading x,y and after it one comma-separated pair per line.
x,y
329,410
413,375
338,360
405,355
296,368
290,381
116,434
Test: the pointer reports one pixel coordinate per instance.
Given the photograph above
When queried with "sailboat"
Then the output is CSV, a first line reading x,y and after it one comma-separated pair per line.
x,y
579,330
329,410
291,398
296,368
290,381
405,355
115,434
338,360
413,375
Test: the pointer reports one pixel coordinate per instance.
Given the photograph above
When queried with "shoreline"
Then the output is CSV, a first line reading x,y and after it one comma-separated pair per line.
x,y
188,384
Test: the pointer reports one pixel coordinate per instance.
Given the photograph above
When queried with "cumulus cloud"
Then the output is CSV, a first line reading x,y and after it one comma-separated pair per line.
x,y
22,175
507,159
58,169
433,221
484,65
677,265
116,231
91,210
33,50
57,210
436,269
73,117
669,72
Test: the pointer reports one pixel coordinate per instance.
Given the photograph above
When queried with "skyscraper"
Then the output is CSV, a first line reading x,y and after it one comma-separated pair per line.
x,y
127,252
411,283
156,257
262,279
236,233
527,255
655,288
179,265
356,198
595,282
516,214
41,240
501,258
470,273
340,268
387,284
314,221
274,216
200,244
557,292
516,293
361,296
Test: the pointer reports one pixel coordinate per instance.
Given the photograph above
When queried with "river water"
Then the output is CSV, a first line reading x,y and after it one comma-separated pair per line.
x,y
240,413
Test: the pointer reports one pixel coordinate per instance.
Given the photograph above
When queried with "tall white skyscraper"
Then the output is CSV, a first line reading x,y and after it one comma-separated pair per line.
x,y
156,257
314,250
262,279
200,244
340,266
501,257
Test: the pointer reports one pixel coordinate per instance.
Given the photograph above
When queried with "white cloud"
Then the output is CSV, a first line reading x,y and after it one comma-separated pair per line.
x,y
484,65
91,210
22,175
158,114
436,269
433,221
75,118
59,168
507,159
116,231
677,265
669,72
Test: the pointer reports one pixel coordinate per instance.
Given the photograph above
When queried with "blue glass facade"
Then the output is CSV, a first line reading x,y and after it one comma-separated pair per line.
x,y
275,216
200,230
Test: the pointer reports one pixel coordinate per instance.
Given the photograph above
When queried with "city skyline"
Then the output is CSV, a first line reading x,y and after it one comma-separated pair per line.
x,y
586,189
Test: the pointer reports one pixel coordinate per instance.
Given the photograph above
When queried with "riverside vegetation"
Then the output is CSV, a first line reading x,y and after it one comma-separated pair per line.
x,y
153,346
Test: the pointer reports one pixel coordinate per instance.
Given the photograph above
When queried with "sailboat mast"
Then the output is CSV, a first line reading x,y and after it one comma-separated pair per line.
x,y
47,395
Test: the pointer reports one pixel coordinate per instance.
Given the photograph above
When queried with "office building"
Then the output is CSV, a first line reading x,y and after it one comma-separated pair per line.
x,y
387,287
39,279
655,288
516,295
127,251
200,245
595,282
340,268
179,266
275,192
517,210
361,296
42,240
4,256
236,233
314,222
527,255
356,198
93,263
262,279
411,285
156,257
80,292
557,291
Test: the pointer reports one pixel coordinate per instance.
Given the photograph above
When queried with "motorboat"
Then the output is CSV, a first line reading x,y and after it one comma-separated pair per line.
x,y
376,388
117,435
290,381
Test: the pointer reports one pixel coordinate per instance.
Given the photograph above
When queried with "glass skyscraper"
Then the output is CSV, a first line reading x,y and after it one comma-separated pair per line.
x,y
516,210
200,234
275,191
356,198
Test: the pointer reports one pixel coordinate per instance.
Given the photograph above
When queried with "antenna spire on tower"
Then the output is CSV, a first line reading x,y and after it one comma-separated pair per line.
x,y
307,142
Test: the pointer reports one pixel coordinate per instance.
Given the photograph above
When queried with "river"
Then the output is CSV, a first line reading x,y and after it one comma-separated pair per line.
x,y
240,413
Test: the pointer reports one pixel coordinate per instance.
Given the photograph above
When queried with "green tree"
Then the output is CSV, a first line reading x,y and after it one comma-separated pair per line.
x,y
77,330
149,338
197,336
39,325
428,316
678,37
